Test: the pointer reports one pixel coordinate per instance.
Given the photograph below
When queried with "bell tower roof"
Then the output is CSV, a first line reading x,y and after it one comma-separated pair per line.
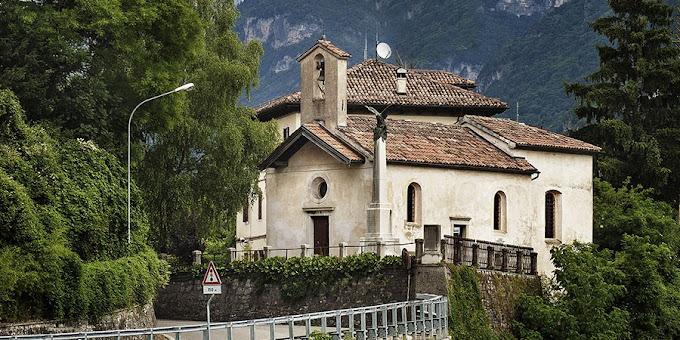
x,y
328,46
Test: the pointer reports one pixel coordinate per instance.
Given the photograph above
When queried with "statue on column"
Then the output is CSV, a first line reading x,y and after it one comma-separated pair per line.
x,y
380,130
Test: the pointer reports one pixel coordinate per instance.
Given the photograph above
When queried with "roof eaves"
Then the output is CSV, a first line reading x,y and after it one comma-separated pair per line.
x,y
354,145
294,139
332,150
518,171
561,149
280,150
318,44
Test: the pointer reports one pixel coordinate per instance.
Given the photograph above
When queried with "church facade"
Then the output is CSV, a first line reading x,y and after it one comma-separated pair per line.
x,y
444,161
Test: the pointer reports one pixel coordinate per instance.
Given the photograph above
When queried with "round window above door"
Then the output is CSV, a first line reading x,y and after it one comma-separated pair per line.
x,y
319,188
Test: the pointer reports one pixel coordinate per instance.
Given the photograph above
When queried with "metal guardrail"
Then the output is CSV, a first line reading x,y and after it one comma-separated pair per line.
x,y
425,316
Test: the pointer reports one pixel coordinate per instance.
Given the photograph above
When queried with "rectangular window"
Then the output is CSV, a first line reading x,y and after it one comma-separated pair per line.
x,y
286,132
246,207
259,207
459,230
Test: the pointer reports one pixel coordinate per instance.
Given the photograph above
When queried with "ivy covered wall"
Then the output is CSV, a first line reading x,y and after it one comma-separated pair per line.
x,y
482,304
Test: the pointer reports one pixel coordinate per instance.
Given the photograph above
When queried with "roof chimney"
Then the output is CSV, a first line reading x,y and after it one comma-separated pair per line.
x,y
401,80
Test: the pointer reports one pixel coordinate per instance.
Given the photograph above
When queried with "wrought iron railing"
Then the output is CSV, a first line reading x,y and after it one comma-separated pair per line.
x,y
489,255
425,317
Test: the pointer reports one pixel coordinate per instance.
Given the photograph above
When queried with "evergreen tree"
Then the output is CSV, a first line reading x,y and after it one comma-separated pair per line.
x,y
633,100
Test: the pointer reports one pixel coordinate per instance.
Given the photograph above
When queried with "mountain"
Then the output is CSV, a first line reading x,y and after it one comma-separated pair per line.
x,y
517,50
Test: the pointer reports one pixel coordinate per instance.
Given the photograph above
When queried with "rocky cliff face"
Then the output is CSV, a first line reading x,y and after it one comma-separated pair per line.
x,y
462,36
528,7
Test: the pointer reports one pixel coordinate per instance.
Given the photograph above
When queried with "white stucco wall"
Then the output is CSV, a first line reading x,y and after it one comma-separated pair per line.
x,y
255,229
572,176
291,121
448,194
291,203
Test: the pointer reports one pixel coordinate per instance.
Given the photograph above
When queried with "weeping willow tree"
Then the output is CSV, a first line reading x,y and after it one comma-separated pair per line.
x,y
196,174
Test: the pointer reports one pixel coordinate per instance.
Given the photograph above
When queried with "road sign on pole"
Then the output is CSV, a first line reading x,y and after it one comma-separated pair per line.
x,y
212,284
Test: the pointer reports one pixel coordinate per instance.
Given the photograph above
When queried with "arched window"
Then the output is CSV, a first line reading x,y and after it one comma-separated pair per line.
x,y
553,214
499,212
413,203
320,74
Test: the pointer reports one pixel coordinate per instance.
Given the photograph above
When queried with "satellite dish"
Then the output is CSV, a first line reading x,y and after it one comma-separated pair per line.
x,y
384,50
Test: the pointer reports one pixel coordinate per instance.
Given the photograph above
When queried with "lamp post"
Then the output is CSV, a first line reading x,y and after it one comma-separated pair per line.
x,y
185,87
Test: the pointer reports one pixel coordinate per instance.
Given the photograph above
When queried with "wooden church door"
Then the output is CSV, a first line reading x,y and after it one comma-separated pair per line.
x,y
320,235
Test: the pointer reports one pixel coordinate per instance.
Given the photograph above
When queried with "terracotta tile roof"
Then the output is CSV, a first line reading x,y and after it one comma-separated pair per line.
x,y
336,50
293,98
333,141
433,144
372,82
317,134
529,137
328,46
446,78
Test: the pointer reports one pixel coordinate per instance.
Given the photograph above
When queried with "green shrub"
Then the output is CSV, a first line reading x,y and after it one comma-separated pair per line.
x,y
304,276
63,233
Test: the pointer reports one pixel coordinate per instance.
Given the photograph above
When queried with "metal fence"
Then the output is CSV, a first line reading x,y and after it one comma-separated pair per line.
x,y
341,250
489,255
427,316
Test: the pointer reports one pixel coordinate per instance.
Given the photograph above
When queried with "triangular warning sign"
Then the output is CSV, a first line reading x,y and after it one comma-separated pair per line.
x,y
211,276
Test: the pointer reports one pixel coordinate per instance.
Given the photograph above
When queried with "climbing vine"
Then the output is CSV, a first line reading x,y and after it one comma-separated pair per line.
x,y
467,318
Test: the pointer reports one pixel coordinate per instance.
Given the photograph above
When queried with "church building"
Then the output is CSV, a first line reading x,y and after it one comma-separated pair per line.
x,y
443,159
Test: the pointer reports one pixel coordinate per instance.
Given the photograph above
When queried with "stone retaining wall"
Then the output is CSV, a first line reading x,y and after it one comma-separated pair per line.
x,y
243,299
501,293
136,317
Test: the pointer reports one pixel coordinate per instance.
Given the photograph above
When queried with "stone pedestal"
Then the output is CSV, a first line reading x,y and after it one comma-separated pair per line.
x,y
431,257
380,229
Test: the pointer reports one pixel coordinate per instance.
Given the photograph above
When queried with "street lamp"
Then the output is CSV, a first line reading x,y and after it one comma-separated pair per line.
x,y
185,87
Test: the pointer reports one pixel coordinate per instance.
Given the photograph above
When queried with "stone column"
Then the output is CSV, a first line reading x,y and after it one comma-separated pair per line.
x,y
379,210
232,254
196,257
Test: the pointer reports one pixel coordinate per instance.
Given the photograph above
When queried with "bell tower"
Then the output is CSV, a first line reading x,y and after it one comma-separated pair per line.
x,y
323,84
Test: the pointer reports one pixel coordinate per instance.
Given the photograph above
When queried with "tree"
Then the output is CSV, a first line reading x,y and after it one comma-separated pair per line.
x,y
197,173
635,269
632,211
652,281
83,65
633,294
635,94
63,235
584,305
